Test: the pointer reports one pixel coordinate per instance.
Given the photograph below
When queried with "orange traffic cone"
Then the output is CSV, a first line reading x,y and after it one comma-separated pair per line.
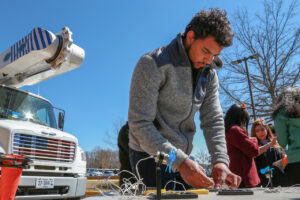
x,y
10,176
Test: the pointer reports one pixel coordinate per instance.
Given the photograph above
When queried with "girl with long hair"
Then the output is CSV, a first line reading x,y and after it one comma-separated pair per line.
x,y
241,148
269,152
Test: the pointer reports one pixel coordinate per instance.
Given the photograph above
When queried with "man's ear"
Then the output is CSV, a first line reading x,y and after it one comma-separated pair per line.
x,y
190,37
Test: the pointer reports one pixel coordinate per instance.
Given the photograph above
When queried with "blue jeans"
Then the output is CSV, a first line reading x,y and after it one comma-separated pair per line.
x,y
146,170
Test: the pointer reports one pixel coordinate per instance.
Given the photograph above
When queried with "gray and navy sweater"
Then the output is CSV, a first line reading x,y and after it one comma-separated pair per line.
x,y
163,104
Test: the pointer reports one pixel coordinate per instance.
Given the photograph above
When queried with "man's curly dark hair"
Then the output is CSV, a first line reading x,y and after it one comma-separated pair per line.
x,y
213,22
289,100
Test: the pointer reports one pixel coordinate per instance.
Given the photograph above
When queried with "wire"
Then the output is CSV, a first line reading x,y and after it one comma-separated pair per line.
x,y
296,185
136,167
269,181
273,190
129,189
172,181
293,188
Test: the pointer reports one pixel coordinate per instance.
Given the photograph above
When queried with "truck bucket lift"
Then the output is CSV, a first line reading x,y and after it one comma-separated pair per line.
x,y
38,56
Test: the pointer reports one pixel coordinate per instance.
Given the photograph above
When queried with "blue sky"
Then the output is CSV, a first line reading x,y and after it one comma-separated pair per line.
x,y
114,34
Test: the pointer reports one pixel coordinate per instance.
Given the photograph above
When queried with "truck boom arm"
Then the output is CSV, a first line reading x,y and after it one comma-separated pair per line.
x,y
38,56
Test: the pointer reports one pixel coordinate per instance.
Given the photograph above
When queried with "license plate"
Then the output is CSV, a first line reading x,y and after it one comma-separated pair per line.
x,y
44,183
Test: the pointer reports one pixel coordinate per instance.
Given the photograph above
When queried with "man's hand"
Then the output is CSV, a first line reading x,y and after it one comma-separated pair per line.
x,y
221,174
193,174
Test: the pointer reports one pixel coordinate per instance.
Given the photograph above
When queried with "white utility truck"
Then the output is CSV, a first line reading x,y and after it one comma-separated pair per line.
x,y
28,124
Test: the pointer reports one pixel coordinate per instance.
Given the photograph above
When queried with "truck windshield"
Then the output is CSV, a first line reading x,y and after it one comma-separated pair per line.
x,y
18,105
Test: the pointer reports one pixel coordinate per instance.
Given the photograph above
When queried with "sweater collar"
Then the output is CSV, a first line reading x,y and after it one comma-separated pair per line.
x,y
177,52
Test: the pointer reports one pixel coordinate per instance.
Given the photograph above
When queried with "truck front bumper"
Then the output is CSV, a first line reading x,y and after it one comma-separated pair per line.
x,y
64,187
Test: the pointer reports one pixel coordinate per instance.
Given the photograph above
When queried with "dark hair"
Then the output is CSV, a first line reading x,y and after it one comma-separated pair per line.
x,y
213,22
236,116
288,100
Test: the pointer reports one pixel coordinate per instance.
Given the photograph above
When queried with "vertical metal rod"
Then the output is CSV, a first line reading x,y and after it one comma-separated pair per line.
x,y
271,184
158,182
250,89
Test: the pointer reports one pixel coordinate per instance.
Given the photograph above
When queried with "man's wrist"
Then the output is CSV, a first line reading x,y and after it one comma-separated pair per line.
x,y
180,158
221,160
220,163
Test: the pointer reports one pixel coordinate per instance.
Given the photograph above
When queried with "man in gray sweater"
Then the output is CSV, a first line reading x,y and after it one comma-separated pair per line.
x,y
169,85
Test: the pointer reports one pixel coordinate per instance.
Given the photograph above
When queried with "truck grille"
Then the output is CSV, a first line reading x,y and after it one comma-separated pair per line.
x,y
43,148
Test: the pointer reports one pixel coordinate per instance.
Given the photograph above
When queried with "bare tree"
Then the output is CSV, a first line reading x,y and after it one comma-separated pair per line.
x,y
106,158
275,35
102,158
203,158
112,137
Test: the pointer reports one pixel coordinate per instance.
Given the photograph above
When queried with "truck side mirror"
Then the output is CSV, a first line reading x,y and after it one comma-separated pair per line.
x,y
61,120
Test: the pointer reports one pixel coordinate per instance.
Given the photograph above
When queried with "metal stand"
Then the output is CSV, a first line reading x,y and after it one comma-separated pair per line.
x,y
268,172
161,158
158,181
269,175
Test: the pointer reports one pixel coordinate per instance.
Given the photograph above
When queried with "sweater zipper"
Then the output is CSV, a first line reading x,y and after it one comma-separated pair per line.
x,y
180,125
180,128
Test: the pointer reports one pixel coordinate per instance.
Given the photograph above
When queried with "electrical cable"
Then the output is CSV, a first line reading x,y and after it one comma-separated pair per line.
x,y
136,166
176,182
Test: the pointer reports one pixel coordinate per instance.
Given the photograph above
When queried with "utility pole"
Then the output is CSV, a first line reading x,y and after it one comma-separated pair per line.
x,y
248,77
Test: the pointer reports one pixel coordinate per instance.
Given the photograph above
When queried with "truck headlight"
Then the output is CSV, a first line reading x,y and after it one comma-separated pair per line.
x,y
82,154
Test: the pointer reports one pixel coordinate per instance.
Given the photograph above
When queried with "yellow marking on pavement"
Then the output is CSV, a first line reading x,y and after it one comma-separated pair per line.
x,y
110,180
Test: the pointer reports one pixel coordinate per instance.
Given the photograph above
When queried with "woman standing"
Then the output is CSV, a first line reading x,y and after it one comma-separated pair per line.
x,y
287,126
269,152
241,149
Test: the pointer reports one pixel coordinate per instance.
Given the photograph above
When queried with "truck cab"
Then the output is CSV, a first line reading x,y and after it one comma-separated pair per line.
x,y
31,126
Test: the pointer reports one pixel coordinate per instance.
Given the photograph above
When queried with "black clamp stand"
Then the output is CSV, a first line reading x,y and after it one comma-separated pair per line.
x,y
269,175
268,172
161,158
14,162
